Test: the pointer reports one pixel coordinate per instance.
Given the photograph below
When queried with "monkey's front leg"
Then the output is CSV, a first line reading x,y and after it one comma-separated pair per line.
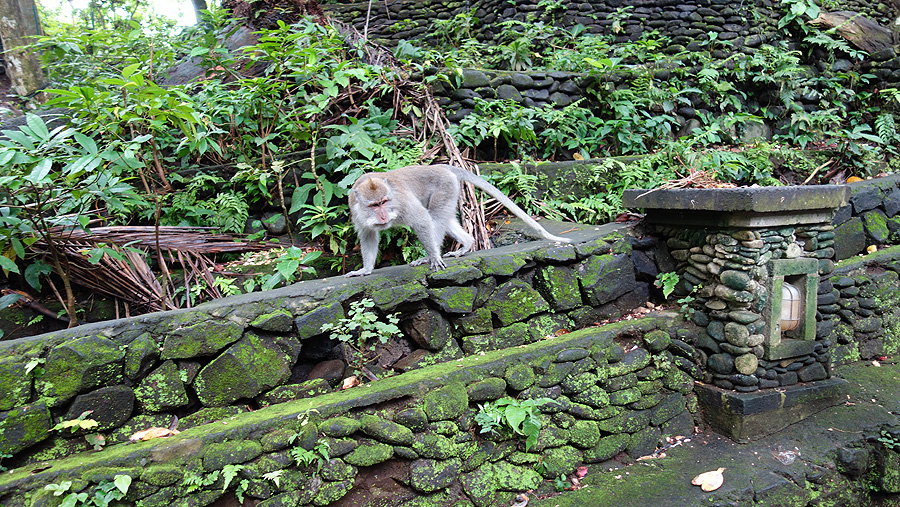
x,y
431,235
368,245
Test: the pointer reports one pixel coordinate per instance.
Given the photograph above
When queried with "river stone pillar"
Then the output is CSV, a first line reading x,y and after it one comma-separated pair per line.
x,y
734,250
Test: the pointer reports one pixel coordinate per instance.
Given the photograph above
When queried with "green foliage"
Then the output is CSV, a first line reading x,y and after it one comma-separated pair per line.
x,y
890,441
667,282
79,423
508,416
107,493
319,455
361,330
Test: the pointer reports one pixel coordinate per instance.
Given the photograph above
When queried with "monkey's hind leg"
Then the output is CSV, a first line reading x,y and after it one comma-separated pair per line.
x,y
462,237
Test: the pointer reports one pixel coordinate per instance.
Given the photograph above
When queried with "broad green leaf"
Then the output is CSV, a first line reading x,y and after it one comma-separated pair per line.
x,y
122,482
130,70
9,300
8,265
40,172
37,125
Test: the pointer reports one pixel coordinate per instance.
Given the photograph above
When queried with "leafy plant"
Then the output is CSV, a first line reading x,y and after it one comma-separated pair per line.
x,y
105,494
667,282
512,417
79,423
319,454
361,330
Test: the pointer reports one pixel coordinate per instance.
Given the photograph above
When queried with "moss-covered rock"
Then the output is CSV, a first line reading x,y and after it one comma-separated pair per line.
x,y
78,366
369,453
310,323
202,339
244,370
488,389
162,389
386,431
606,448
515,301
429,329
559,461
433,446
217,455
109,406
23,426
390,298
478,322
657,340
502,265
520,376
339,427
162,475
413,418
330,492
279,321
606,277
140,355
454,299
336,469
559,286
15,384
308,389
584,434
445,403
428,475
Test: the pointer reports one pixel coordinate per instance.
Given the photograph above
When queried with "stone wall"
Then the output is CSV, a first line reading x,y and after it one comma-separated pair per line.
x,y
606,390
686,23
261,349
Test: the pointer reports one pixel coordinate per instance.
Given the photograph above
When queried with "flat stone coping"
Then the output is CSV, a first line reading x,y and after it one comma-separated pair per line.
x,y
754,199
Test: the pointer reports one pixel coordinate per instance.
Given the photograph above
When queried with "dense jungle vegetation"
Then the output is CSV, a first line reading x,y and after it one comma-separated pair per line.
x,y
270,137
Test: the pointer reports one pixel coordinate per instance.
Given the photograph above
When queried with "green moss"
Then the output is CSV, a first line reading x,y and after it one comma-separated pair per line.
x,y
559,286
488,389
502,265
520,376
216,456
445,403
455,299
330,492
162,389
162,475
386,431
515,301
389,298
427,476
279,321
476,323
369,453
15,384
435,447
584,434
560,460
339,427
203,338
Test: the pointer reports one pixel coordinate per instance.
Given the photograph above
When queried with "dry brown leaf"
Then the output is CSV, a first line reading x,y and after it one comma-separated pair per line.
x,y
349,382
151,433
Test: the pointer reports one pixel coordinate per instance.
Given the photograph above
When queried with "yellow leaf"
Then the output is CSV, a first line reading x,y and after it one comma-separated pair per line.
x,y
709,481
577,156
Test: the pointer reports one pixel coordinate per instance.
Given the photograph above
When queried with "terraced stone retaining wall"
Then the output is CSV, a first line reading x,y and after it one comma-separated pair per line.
x,y
606,390
686,23
250,351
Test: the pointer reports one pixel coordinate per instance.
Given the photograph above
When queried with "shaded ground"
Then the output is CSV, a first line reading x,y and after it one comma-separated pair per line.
x,y
820,445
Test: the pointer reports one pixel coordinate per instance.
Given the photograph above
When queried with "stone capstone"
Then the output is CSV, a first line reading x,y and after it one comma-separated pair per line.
x,y
201,339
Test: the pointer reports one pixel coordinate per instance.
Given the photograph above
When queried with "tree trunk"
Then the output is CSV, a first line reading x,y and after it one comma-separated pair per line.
x,y
199,5
18,21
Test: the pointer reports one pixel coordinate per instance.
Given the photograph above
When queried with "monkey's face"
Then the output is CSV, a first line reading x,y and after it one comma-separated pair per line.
x,y
382,211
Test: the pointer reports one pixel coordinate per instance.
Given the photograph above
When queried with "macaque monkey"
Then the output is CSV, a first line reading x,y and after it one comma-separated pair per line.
x,y
425,198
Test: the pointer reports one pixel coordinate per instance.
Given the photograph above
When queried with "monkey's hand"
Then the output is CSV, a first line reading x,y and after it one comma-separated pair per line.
x,y
358,272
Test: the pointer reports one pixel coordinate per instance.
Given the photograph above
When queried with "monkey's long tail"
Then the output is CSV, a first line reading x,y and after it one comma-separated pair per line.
x,y
495,192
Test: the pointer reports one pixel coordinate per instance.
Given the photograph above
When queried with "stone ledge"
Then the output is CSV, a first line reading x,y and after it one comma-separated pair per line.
x,y
749,416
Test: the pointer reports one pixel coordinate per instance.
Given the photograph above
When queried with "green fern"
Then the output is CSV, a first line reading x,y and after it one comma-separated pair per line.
x,y
232,212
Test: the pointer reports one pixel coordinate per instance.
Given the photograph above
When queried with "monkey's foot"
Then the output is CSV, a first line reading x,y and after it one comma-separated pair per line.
x,y
358,272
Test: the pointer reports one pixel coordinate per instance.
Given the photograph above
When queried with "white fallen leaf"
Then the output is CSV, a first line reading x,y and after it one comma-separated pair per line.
x,y
709,481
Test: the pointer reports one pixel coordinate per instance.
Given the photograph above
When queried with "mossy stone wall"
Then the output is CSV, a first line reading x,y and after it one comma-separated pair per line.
x,y
607,390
